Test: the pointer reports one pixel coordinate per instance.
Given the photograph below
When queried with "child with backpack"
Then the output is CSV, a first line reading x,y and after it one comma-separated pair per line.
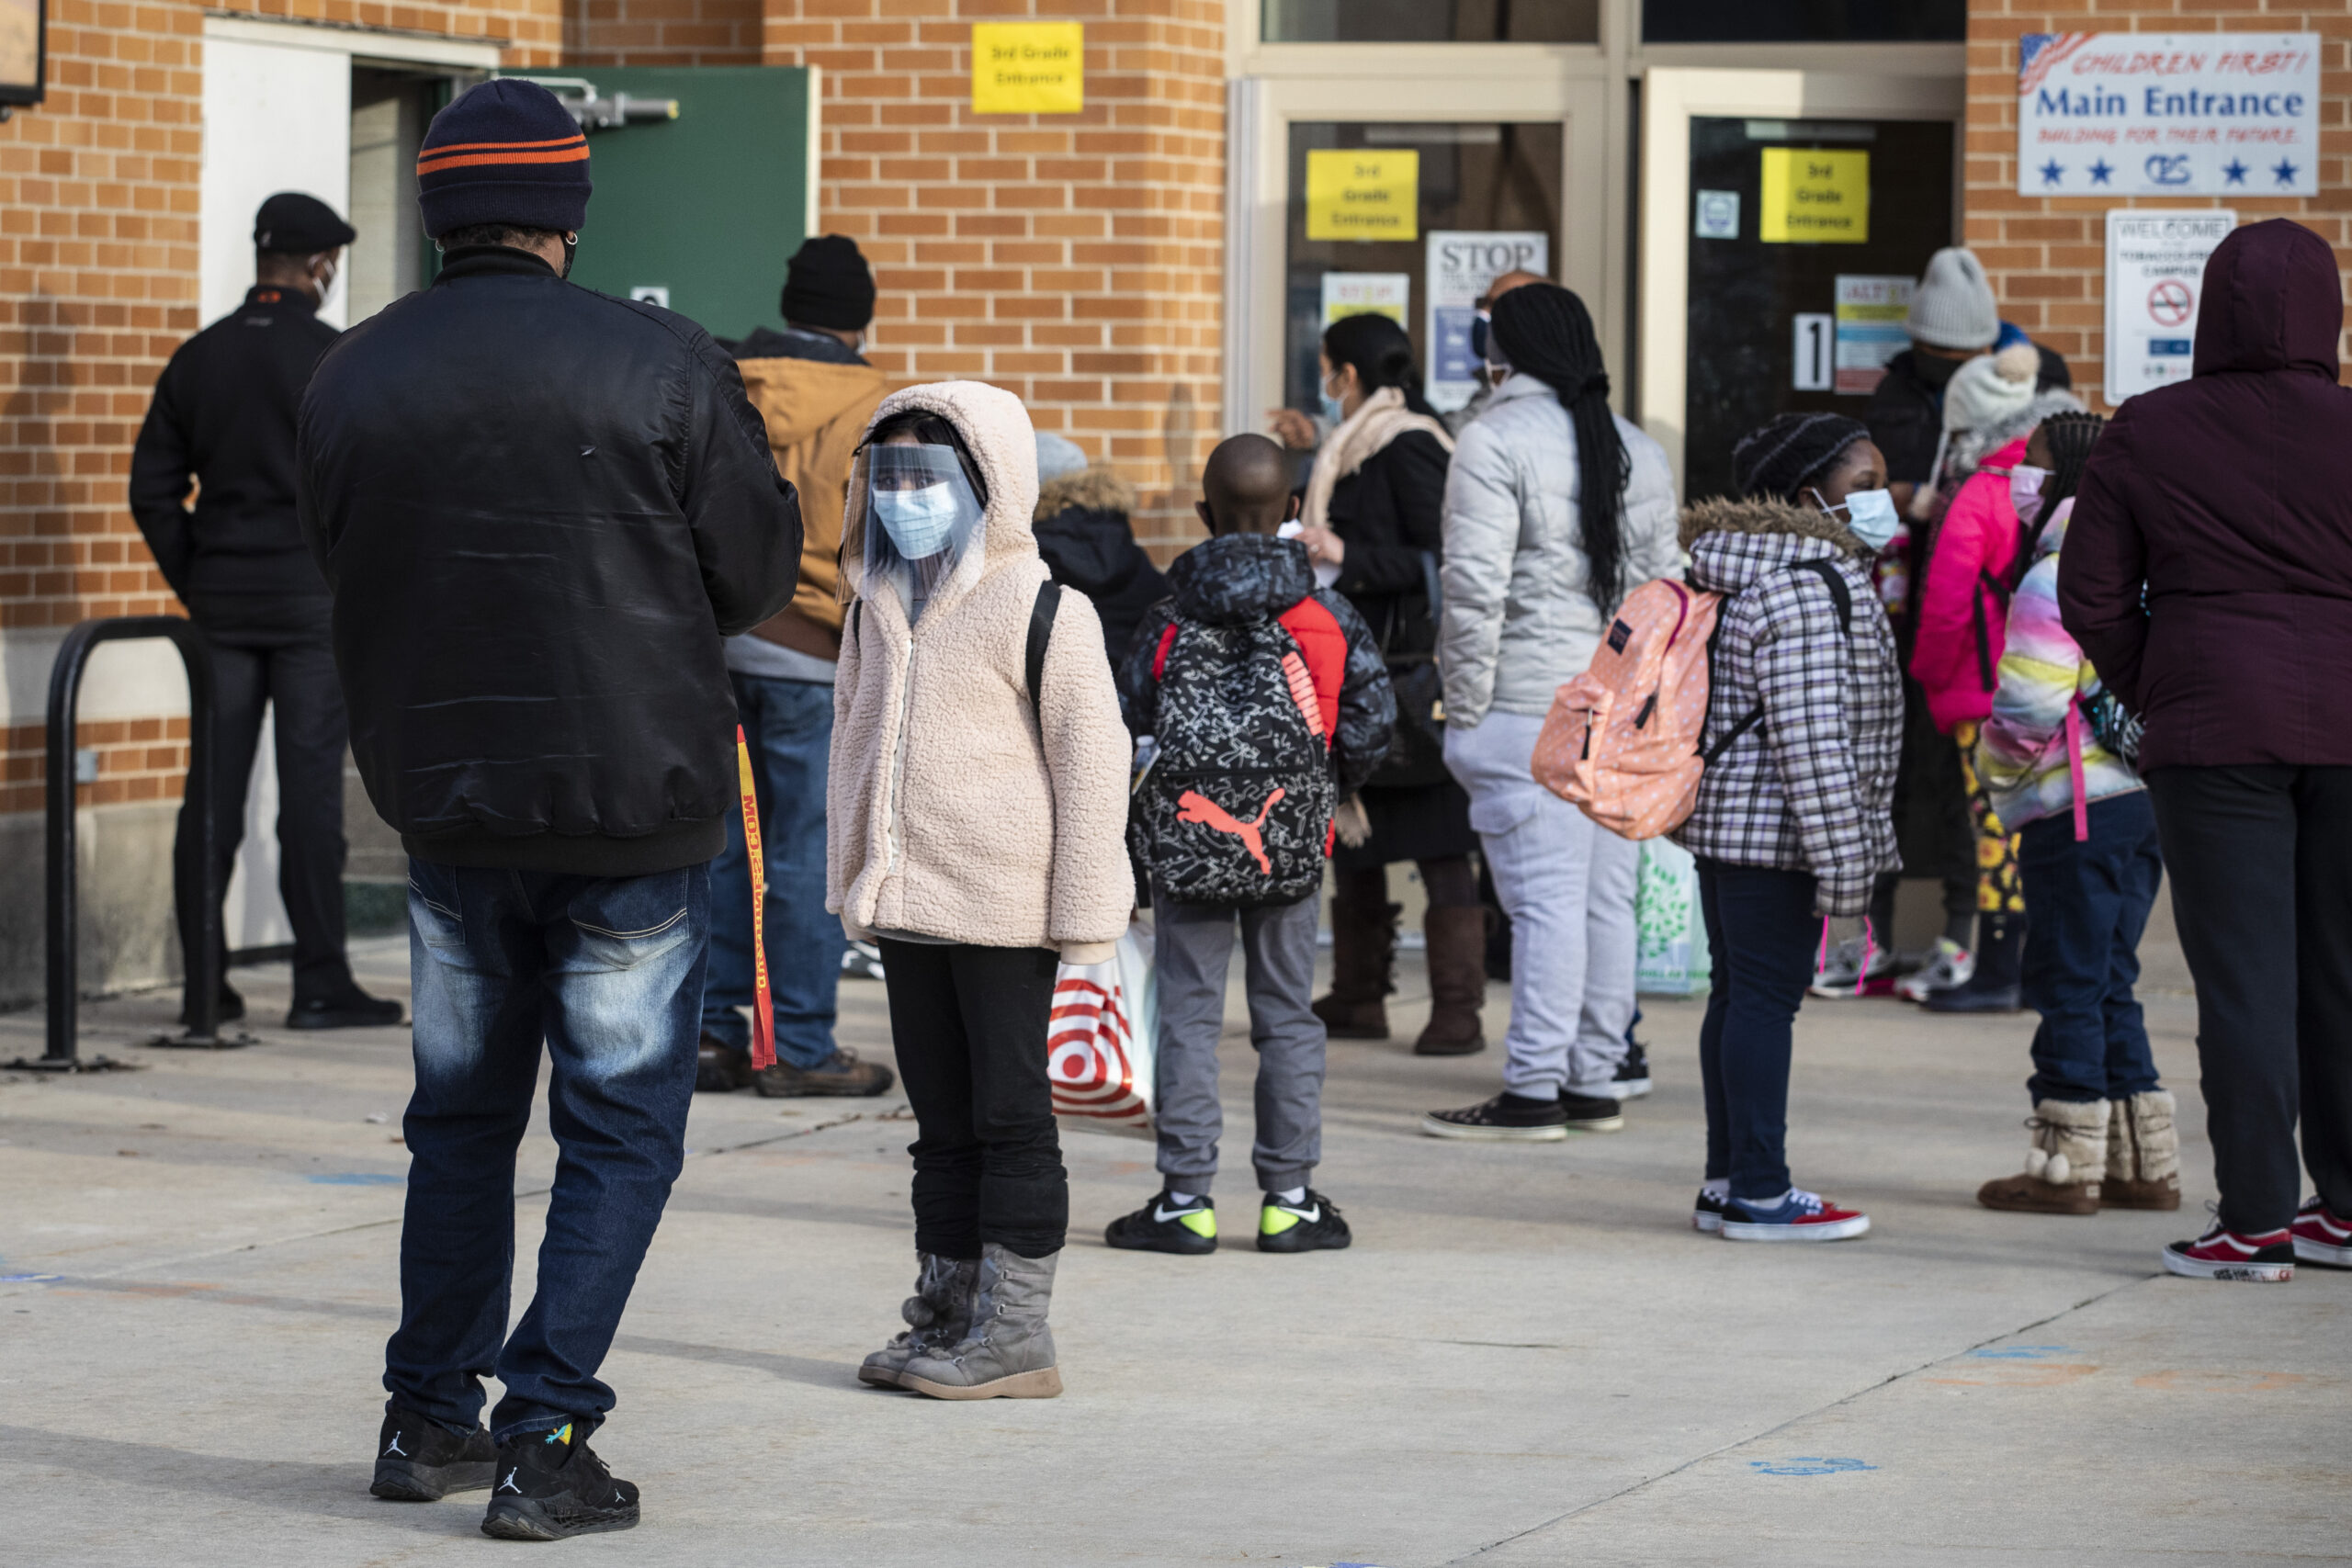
x,y
2103,1133
1792,823
1269,705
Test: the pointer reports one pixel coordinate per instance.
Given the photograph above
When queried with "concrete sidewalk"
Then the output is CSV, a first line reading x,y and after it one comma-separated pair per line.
x,y
1527,1357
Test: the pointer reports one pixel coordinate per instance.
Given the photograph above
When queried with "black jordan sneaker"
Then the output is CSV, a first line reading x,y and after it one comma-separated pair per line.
x,y
1188,1229
551,1485
1311,1224
419,1460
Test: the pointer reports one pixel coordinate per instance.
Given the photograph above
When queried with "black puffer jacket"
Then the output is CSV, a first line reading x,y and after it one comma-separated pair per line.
x,y
1388,515
539,508
1083,532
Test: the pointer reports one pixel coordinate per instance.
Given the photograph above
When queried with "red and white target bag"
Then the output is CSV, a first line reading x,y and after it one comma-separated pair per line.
x,y
1102,1044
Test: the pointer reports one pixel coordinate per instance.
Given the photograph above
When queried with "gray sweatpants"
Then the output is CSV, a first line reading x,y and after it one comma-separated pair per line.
x,y
1190,947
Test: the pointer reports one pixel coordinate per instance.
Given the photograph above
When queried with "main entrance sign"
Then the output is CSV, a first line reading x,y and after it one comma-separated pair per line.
x,y
2168,114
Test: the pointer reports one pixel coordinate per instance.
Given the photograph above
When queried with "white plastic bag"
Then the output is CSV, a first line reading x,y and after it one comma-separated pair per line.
x,y
1670,940
1102,1044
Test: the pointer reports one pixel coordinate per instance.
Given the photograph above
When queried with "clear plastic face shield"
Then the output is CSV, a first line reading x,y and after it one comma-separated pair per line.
x,y
921,516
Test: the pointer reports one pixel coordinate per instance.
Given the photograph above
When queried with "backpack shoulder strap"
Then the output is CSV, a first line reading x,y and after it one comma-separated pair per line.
x,y
1826,570
1041,631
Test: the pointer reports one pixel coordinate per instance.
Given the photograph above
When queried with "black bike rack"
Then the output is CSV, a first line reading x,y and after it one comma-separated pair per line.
x,y
203,1031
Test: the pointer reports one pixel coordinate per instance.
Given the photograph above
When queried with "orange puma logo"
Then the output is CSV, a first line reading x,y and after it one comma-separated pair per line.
x,y
1198,807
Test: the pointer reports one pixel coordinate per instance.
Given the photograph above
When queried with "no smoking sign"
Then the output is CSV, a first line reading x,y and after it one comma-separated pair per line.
x,y
2171,304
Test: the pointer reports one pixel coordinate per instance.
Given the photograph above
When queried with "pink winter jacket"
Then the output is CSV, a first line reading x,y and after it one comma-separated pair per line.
x,y
1957,656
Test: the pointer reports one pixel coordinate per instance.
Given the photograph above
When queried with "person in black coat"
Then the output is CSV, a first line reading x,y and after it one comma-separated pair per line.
x,y
1083,532
1372,519
223,417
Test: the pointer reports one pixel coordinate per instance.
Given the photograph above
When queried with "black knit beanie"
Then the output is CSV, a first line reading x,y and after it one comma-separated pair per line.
x,y
506,152
828,283
1781,458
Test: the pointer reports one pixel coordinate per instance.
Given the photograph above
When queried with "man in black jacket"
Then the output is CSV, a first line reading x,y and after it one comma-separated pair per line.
x,y
224,416
539,510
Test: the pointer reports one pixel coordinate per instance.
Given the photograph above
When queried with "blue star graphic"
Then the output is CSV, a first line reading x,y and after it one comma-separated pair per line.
x,y
2285,171
2051,171
2235,171
2100,171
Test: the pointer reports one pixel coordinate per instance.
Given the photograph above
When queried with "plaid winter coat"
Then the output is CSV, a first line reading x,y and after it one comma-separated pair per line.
x,y
1810,787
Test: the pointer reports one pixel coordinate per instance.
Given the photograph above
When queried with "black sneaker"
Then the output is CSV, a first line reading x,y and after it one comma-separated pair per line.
x,y
551,1486
1507,1118
351,1008
720,1068
1632,1080
419,1460
1311,1224
1707,1213
1592,1112
1165,1226
231,1008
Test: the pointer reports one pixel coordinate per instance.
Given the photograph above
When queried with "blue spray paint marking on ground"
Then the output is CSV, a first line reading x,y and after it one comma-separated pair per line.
x,y
358,1179
2018,1352
1807,1466
29,1279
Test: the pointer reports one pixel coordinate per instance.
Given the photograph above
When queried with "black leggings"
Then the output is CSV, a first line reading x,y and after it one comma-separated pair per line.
x,y
969,1024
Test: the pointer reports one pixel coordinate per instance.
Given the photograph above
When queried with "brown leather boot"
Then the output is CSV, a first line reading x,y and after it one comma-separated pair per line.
x,y
2143,1154
2062,1169
1363,949
1457,963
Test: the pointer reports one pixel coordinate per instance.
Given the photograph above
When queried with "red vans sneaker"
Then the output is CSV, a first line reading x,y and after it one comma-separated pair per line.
x,y
2221,1254
1799,1216
2321,1238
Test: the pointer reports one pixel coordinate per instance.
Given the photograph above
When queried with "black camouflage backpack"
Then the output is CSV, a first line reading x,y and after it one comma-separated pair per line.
x,y
1236,807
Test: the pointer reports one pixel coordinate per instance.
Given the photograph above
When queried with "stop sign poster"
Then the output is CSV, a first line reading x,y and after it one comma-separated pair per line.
x,y
2156,281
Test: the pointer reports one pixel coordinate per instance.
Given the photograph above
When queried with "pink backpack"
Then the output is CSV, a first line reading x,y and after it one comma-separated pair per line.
x,y
1621,740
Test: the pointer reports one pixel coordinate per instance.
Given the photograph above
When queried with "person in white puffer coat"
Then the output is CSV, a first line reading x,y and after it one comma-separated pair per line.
x,y
1533,571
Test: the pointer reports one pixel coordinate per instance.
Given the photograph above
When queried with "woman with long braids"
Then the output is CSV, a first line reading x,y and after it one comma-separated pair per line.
x,y
2102,1126
1555,511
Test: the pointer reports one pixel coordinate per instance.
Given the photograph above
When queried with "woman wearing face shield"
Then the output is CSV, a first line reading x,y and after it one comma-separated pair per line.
x,y
1792,824
977,834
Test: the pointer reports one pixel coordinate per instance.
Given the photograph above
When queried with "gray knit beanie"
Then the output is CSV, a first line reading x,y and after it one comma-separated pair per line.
x,y
1953,307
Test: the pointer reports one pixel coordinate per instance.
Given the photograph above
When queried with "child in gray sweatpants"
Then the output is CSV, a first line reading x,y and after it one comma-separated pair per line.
x,y
1269,701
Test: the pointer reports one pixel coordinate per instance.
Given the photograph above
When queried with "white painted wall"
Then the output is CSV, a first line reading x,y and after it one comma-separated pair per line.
x,y
275,119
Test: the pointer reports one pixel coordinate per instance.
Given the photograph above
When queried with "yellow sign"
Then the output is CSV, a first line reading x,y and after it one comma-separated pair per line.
x,y
1364,195
1028,67
1815,198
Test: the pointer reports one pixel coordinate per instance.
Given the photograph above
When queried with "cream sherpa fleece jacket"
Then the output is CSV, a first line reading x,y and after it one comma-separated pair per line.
x,y
952,811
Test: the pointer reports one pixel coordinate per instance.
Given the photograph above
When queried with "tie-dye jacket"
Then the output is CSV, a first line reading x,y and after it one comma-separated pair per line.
x,y
2021,756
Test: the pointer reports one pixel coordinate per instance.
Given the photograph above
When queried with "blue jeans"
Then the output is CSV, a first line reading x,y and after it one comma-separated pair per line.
x,y
608,971
1763,935
789,727
2086,905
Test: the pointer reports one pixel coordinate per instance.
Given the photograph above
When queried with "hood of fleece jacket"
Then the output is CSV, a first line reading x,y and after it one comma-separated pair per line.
x,y
2273,301
1733,543
996,427
1240,577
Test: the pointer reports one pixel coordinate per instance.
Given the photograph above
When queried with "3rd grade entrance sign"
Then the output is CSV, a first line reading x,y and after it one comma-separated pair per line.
x,y
2168,114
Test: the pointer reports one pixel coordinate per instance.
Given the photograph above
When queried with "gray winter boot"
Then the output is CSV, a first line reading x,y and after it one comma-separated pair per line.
x,y
1010,1352
939,1315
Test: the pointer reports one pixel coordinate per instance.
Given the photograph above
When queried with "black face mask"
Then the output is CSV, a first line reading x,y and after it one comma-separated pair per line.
x,y
1934,368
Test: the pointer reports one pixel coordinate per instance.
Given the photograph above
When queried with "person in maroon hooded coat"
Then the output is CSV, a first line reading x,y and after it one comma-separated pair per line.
x,y
2209,576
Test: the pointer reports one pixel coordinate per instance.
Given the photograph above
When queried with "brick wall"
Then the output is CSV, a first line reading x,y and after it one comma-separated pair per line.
x,y
663,32
1074,259
2047,255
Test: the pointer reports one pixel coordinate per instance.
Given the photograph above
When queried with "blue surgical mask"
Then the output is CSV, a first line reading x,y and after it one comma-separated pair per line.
x,y
1333,414
1869,516
918,521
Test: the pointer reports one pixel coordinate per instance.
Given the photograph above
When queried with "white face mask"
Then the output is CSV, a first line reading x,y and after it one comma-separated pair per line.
x,y
1869,516
2025,491
918,521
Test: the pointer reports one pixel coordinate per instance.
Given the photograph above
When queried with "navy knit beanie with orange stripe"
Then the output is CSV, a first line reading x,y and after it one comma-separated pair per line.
x,y
506,152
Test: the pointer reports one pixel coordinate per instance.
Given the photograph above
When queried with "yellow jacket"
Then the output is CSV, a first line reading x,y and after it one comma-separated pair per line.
x,y
816,415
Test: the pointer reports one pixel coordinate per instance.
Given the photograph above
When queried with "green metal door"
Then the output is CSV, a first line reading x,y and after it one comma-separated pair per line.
x,y
708,206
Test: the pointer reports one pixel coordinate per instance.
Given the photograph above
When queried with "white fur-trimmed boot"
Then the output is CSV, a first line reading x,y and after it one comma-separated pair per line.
x,y
2143,1154
2063,1167
938,1314
1008,1353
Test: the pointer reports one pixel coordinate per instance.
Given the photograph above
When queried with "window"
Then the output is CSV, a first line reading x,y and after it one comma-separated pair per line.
x,y
1804,21
1432,21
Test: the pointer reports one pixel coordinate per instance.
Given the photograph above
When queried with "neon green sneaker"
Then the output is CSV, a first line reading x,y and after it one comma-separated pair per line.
x,y
1311,1224
1165,1226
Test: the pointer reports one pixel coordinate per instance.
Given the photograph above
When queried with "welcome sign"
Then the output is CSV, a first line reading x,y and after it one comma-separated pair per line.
x,y
2168,114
